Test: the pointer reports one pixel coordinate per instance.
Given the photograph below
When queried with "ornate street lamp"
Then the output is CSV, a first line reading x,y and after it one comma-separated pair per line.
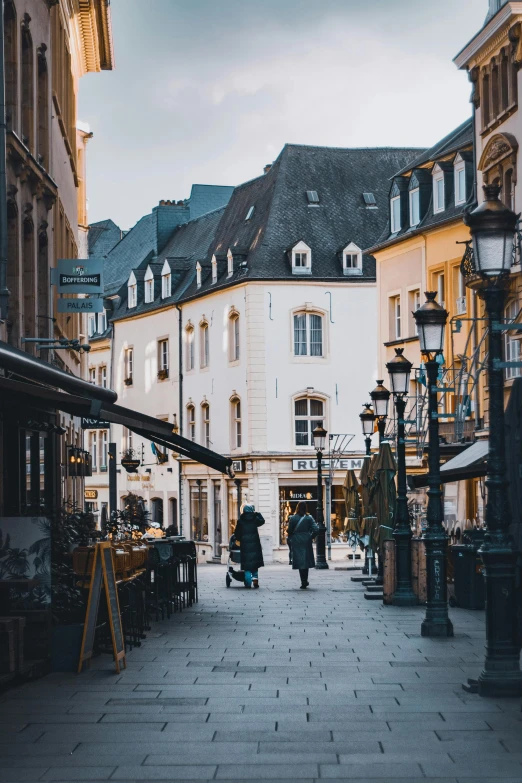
x,y
399,369
380,398
431,322
367,418
319,435
487,269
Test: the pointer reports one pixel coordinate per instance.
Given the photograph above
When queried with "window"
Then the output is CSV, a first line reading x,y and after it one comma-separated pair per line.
x,y
438,190
234,337
166,281
395,318
205,424
190,348
414,304
96,323
236,423
460,182
92,375
191,422
352,260
370,201
511,343
230,262
27,86
308,334
441,289
157,511
127,439
312,196
93,449
301,259
91,325
204,345
214,269
309,414
395,209
129,365
102,377
508,192
132,291
198,275
414,207
102,322
103,440
149,286
250,213
163,359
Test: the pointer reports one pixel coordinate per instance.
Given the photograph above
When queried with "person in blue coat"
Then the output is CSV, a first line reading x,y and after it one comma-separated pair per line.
x,y
247,537
302,529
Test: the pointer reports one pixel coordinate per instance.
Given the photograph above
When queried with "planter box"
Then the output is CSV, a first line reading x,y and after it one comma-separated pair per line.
x,y
66,641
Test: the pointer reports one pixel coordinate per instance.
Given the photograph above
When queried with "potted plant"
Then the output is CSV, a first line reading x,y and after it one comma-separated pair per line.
x,y
128,381
163,374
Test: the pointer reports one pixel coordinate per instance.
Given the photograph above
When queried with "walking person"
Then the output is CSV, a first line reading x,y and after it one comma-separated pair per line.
x,y
247,538
302,529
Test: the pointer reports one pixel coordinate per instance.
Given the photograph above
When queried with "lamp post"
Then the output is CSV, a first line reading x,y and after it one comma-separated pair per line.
x,y
492,227
431,322
367,418
399,369
319,435
380,398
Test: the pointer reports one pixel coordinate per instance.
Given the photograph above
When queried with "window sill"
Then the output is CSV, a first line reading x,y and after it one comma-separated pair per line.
x,y
103,469
308,359
352,272
402,340
234,363
299,272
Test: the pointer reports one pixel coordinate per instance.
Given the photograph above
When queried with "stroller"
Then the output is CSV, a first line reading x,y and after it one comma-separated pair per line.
x,y
234,557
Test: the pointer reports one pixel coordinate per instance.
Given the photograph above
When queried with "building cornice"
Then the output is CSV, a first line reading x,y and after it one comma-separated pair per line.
x,y
401,241
490,37
92,19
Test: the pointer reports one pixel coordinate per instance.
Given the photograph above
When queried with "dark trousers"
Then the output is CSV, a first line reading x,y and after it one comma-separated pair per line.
x,y
303,573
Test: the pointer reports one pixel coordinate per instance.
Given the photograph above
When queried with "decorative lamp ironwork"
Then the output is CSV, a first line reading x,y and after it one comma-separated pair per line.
x,y
319,435
431,323
399,370
492,226
367,418
380,398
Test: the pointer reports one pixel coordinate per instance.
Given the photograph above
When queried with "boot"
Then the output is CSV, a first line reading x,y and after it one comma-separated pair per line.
x,y
255,583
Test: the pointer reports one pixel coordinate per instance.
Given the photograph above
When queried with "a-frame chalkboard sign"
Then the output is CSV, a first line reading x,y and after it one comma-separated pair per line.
x,y
103,576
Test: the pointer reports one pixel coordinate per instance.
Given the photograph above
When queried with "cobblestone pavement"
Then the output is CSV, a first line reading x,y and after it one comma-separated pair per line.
x,y
271,684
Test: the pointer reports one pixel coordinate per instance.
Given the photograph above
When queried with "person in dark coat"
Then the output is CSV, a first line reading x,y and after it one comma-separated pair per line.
x,y
302,529
247,537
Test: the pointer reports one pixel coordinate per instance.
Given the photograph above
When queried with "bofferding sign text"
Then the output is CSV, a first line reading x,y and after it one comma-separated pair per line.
x,y
80,275
350,463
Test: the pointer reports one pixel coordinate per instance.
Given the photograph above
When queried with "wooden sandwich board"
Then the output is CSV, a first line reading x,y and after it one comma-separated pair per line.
x,y
103,577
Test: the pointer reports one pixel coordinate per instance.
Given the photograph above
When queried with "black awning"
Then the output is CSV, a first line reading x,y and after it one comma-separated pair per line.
x,y
146,426
33,369
470,463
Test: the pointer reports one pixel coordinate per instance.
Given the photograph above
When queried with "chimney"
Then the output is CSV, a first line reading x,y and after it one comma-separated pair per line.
x,y
167,216
267,168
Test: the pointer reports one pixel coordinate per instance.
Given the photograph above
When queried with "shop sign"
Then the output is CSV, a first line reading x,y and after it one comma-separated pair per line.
x,y
238,466
80,276
80,305
91,494
339,464
94,424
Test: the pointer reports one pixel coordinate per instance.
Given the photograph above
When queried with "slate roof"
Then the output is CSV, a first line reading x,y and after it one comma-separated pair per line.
x,y
207,198
136,245
103,236
459,140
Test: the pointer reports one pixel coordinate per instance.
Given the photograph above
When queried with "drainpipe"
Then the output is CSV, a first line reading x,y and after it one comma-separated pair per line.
x,y
4,292
181,417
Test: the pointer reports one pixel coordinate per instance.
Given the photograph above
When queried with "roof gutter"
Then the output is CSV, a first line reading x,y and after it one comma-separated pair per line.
x,y
413,234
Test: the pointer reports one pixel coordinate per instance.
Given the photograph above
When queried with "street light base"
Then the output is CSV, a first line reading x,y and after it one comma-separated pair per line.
x,y
406,598
437,629
319,565
495,685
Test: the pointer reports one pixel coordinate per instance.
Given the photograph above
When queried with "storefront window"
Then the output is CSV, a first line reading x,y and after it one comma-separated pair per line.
x,y
217,516
36,494
338,516
199,510
233,514
289,497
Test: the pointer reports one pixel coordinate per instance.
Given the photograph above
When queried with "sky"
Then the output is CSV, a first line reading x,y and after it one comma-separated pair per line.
x,y
209,91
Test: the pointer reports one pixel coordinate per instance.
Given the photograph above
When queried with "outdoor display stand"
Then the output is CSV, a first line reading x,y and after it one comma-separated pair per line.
x,y
103,577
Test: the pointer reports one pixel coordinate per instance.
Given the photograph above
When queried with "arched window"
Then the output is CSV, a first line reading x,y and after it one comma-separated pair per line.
x,y
230,263
173,514
166,281
27,85
11,65
204,348
308,334
494,91
485,102
504,82
43,107
157,511
235,415
309,413
233,337
511,344
191,422
189,363
132,291
28,280
198,275
149,285
205,423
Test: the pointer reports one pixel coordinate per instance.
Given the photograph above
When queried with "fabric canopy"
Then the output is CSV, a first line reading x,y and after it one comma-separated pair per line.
x,y
352,502
160,432
470,463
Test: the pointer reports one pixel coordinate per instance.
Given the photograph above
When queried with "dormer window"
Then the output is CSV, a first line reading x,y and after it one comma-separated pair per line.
x,y
230,262
198,275
439,194
370,201
301,259
460,181
166,281
312,197
132,291
149,286
414,207
250,213
395,212
352,260
214,269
